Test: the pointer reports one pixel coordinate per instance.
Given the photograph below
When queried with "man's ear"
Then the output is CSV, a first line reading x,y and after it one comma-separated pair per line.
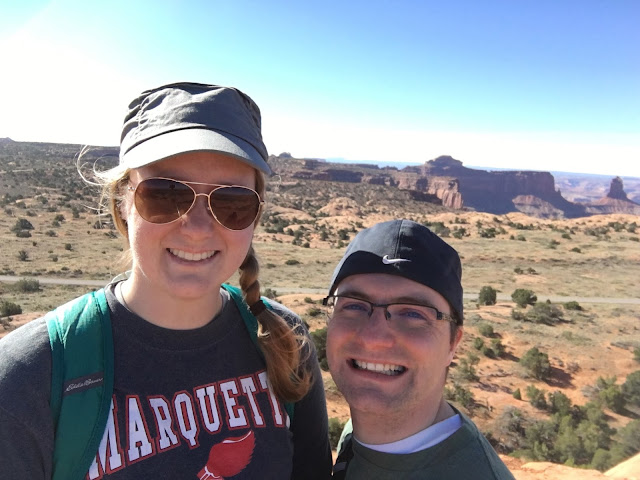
x,y
456,341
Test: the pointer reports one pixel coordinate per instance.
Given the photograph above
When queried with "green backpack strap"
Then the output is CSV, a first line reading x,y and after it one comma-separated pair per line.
x,y
251,323
82,374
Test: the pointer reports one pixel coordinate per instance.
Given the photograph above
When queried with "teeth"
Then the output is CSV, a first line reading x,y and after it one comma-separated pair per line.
x,y
192,257
384,368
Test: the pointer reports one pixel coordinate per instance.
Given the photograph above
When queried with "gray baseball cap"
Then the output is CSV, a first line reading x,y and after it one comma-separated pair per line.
x,y
192,117
407,249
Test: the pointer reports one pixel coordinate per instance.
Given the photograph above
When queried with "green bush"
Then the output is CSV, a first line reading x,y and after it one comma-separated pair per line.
x,y
335,430
573,305
22,224
314,312
270,293
543,312
559,403
497,347
537,363
523,297
478,343
487,296
629,437
460,395
536,397
27,285
8,308
516,394
631,388
486,330
319,338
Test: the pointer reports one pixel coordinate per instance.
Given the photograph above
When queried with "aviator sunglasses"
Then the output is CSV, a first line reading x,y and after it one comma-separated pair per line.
x,y
164,200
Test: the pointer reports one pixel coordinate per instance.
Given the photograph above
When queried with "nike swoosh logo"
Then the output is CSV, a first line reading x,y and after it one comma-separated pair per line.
x,y
390,261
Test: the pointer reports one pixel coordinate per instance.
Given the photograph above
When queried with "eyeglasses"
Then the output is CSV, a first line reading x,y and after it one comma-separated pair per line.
x,y
401,316
164,200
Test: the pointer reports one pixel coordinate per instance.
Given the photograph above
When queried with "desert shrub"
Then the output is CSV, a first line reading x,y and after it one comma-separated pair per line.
x,y
613,398
518,271
466,368
308,300
478,343
629,438
543,312
292,261
22,224
335,430
8,308
23,255
270,293
631,388
573,305
314,312
319,338
576,250
486,330
559,403
27,285
536,397
523,297
536,363
516,394
460,395
566,236
636,354
487,295
68,246
51,233
497,347
23,234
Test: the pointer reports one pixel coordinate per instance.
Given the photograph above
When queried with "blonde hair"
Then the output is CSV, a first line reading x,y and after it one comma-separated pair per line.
x,y
285,348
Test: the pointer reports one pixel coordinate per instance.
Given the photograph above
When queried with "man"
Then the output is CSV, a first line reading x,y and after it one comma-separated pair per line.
x,y
395,322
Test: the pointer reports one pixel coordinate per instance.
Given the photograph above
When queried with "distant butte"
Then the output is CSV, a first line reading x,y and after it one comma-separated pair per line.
x,y
446,181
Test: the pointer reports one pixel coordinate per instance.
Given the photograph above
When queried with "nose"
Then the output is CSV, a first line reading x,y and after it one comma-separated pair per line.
x,y
377,332
199,219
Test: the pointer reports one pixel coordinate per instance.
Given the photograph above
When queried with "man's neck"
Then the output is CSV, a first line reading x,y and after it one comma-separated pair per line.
x,y
377,429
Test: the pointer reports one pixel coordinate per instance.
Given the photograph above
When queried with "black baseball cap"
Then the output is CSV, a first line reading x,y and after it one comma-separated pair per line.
x,y
407,249
192,117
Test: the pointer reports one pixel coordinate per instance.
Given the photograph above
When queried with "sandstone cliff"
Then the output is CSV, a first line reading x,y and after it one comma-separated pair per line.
x,y
446,181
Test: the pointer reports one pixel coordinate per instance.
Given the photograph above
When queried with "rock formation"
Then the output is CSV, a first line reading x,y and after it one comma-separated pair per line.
x,y
616,201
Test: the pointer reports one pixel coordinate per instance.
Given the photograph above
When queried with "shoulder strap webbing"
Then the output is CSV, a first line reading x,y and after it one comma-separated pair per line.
x,y
251,323
81,381
345,454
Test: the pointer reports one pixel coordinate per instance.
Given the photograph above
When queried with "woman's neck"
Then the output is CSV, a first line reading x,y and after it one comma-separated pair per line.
x,y
170,312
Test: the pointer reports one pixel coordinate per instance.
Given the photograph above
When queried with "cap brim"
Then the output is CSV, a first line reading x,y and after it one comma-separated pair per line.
x,y
177,142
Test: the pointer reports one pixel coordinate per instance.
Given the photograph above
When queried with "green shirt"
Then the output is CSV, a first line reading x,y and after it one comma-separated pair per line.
x,y
464,455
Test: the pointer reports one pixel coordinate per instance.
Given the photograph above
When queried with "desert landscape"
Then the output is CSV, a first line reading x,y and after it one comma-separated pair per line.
x,y
549,367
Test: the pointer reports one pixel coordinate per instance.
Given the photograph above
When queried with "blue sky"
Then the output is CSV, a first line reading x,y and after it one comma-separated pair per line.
x,y
544,85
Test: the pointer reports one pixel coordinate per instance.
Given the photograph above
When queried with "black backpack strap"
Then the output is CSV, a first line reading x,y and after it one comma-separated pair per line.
x,y
344,457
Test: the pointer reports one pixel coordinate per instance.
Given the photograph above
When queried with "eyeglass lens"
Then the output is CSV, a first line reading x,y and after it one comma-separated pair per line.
x,y
161,200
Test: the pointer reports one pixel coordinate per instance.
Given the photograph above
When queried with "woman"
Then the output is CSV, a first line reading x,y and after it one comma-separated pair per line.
x,y
194,396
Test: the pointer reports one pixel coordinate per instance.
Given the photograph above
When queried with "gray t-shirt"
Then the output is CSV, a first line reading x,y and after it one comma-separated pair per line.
x,y
192,404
